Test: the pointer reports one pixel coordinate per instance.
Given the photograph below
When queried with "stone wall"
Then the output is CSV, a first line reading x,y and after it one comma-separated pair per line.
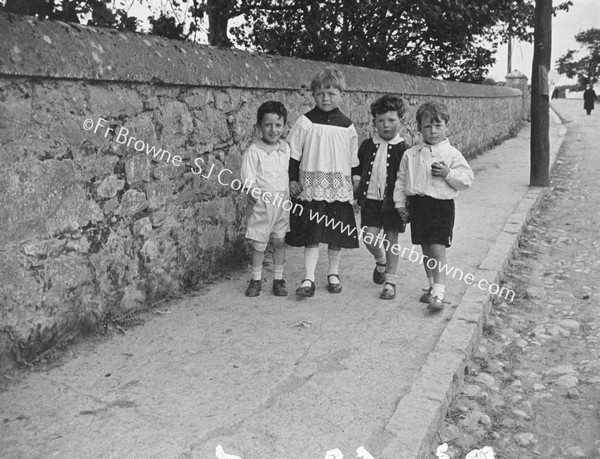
x,y
103,206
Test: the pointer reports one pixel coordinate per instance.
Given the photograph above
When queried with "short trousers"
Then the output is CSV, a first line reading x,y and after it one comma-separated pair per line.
x,y
266,219
371,215
431,220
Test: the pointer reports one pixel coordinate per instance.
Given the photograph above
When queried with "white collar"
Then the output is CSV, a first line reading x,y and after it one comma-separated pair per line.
x,y
377,140
435,149
279,148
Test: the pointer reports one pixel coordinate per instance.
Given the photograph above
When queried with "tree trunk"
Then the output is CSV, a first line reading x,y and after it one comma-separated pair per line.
x,y
540,103
219,12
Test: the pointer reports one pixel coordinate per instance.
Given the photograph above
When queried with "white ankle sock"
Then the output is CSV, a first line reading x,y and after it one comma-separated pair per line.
x,y
311,257
256,272
391,278
334,264
438,290
277,271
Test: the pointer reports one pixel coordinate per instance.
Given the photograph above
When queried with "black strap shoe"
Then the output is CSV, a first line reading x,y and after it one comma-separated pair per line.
x,y
334,287
306,291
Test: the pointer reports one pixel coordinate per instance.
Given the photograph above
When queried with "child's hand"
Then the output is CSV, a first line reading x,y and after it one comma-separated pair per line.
x,y
440,169
403,213
295,189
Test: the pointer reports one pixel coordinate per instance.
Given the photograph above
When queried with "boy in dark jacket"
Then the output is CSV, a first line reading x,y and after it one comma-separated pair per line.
x,y
374,180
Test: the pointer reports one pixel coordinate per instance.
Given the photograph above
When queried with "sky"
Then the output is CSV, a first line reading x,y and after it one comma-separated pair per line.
x,y
583,15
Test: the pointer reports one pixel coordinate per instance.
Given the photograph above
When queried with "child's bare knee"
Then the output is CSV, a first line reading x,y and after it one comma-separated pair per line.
x,y
278,243
259,246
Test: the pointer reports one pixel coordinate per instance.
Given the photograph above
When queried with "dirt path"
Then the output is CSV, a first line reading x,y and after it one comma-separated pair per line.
x,y
533,388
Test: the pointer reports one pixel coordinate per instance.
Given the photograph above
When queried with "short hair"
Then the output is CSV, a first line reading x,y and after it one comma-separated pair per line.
x,y
329,77
271,106
388,103
435,110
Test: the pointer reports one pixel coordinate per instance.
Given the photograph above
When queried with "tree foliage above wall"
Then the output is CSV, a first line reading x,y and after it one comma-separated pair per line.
x,y
99,12
449,39
587,68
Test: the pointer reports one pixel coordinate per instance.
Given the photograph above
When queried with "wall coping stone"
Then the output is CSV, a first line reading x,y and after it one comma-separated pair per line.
x,y
32,47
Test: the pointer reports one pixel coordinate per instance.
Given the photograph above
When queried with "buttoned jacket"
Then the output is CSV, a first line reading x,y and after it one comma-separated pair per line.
x,y
366,157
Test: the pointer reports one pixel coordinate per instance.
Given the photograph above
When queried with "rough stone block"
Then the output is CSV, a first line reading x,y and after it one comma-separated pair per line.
x,y
110,186
15,112
111,206
222,100
142,127
31,193
137,169
150,249
164,171
218,210
62,97
74,211
110,102
19,290
142,227
176,124
81,245
132,202
43,248
95,165
158,194
197,98
68,272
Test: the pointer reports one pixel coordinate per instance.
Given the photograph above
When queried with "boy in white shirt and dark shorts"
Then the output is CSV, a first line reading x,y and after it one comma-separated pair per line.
x,y
429,178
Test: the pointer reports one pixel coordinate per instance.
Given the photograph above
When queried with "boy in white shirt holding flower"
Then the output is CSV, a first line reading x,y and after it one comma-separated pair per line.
x,y
430,176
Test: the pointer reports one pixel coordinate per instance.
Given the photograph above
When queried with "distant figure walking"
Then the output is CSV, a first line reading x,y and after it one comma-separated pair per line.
x,y
589,98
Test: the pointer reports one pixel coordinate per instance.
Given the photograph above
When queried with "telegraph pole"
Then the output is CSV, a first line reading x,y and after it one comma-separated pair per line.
x,y
509,64
540,97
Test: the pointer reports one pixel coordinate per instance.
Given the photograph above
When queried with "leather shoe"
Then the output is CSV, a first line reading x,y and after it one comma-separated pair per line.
x,y
426,296
435,304
306,291
389,291
334,287
378,277
279,287
254,288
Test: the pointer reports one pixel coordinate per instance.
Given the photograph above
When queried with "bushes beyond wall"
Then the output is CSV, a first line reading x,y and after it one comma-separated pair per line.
x,y
103,208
